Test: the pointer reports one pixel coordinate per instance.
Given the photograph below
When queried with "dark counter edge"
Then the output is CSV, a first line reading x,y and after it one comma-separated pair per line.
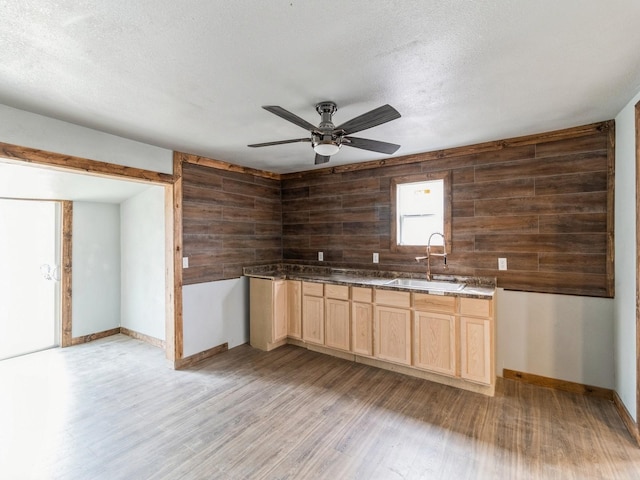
x,y
476,287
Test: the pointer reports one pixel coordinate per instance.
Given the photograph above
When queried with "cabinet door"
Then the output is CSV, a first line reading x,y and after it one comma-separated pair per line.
x,y
313,319
435,342
294,308
475,349
393,334
337,331
362,328
279,310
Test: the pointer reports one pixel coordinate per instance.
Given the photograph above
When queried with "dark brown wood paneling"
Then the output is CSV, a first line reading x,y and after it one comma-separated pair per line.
x,y
573,223
534,167
572,262
576,183
544,202
522,187
587,143
232,218
479,225
564,243
593,202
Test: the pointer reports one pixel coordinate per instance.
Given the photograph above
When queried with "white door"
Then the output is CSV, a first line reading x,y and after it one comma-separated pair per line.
x,y
30,274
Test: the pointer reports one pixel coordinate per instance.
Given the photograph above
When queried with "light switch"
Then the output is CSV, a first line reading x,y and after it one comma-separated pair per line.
x,y
185,262
376,258
320,256
502,263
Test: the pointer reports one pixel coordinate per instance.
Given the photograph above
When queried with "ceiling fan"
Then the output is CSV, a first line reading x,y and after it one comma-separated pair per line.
x,y
326,139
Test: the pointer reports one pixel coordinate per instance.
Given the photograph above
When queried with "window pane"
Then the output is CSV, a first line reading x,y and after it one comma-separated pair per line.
x,y
420,212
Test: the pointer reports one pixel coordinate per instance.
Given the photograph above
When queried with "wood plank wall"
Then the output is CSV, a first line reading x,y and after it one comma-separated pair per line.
x,y
230,219
544,204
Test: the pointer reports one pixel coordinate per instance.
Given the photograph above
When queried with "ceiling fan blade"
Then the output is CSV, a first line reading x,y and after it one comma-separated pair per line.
x,y
320,159
291,117
375,117
372,145
279,142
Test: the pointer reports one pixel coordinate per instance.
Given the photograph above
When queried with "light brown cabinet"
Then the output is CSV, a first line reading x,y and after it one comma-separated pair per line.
x,y
392,334
267,313
476,340
337,331
294,309
361,321
427,335
337,315
435,342
434,338
312,313
392,326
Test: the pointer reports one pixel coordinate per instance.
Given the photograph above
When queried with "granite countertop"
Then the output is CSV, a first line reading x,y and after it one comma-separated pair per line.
x,y
475,287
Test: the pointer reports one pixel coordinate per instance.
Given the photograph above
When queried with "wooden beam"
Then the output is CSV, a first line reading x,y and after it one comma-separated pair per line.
x,y
175,337
67,162
611,183
209,162
66,274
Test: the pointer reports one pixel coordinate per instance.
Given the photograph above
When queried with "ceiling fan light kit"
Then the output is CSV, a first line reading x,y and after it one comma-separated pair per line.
x,y
326,139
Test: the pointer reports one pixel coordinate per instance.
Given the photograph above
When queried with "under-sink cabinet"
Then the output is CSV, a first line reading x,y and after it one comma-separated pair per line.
x,y
444,338
435,333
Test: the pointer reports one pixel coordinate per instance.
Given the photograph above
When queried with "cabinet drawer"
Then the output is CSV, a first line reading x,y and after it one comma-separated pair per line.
x,y
392,298
434,303
310,288
341,292
359,294
476,307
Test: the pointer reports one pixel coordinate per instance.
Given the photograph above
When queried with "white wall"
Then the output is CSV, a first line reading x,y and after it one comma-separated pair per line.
x,y
215,313
96,267
36,131
142,243
559,336
625,259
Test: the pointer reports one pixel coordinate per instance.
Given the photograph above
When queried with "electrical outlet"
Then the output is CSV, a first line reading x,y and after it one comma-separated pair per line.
x,y
320,256
185,262
502,263
376,258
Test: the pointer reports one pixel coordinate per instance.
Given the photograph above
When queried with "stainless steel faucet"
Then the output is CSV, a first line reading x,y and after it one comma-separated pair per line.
x,y
429,254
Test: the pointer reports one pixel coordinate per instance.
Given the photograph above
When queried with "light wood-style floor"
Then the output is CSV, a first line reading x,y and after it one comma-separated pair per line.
x,y
112,409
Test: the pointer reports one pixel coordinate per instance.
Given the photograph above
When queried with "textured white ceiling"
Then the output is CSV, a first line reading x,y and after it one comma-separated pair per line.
x,y
191,75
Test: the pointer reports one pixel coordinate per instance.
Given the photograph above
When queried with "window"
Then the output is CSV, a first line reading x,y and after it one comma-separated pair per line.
x,y
420,206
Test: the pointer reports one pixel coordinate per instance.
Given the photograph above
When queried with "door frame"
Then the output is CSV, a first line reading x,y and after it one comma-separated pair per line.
x,y
10,153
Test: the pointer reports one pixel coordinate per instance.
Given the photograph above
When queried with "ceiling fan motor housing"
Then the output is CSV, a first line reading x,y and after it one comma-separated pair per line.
x,y
325,134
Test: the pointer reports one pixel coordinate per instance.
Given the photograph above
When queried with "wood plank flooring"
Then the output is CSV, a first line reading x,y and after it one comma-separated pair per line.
x,y
112,409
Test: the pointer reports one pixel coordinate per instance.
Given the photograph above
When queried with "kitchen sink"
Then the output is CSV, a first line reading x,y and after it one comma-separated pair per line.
x,y
426,284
